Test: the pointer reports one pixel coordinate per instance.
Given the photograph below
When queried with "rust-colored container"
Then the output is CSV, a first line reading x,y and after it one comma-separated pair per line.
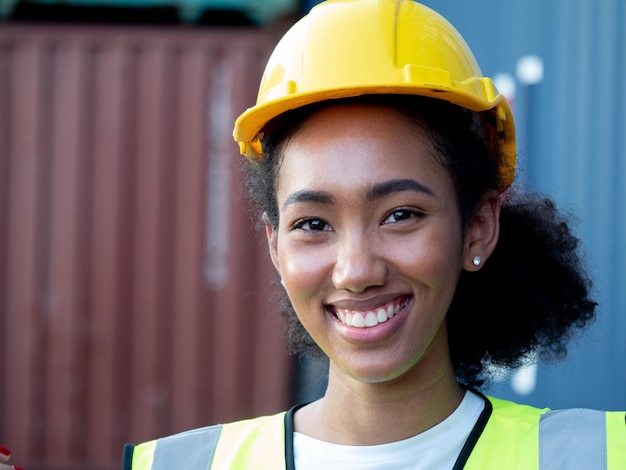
x,y
134,291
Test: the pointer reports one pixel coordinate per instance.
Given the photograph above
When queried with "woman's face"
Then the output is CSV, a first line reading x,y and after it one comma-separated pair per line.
x,y
369,243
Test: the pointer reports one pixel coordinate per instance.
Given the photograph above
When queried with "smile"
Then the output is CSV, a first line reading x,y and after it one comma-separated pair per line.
x,y
370,318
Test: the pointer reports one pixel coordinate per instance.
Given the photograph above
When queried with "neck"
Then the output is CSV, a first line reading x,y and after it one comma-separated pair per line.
x,y
354,412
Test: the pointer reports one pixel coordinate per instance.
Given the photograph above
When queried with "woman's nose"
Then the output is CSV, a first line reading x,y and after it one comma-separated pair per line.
x,y
359,264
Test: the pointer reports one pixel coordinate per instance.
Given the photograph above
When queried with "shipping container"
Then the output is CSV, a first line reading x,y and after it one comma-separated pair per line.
x,y
136,296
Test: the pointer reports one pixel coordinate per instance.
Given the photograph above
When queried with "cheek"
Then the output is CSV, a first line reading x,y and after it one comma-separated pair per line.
x,y
306,274
434,256
304,269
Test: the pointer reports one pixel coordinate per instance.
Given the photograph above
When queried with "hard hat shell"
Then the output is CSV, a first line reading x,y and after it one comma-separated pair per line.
x,y
347,48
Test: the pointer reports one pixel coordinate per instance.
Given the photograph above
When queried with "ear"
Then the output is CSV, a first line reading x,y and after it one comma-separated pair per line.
x,y
272,241
482,231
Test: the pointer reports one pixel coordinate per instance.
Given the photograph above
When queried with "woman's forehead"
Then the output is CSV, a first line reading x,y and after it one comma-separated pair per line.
x,y
357,146
361,112
335,126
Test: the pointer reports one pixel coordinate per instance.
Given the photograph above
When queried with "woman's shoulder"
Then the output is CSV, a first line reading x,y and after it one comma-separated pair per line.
x,y
240,427
507,408
563,426
202,444
569,438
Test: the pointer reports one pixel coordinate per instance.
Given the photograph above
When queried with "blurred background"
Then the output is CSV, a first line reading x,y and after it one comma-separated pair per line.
x,y
136,296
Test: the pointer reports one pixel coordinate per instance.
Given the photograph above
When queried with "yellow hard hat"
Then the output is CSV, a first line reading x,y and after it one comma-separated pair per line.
x,y
346,48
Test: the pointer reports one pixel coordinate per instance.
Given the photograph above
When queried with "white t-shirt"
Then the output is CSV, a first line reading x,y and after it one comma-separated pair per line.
x,y
437,448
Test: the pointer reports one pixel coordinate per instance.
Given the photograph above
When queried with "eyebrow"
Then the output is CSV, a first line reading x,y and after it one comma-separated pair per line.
x,y
377,191
319,197
385,188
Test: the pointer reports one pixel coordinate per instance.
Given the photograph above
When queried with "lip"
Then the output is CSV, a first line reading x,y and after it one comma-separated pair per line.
x,y
359,303
373,334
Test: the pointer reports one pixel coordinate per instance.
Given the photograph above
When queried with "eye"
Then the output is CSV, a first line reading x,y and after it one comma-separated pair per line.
x,y
313,225
399,215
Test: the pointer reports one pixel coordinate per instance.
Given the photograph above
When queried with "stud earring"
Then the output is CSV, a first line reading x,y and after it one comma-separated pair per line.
x,y
476,261
282,283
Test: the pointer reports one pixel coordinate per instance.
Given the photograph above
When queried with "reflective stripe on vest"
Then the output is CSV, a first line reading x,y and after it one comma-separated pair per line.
x,y
257,443
572,439
516,436
190,450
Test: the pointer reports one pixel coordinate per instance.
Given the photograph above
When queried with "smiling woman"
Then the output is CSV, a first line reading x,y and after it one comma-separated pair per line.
x,y
382,161
391,237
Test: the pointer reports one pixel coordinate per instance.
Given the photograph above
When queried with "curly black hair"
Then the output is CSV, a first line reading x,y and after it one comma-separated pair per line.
x,y
533,292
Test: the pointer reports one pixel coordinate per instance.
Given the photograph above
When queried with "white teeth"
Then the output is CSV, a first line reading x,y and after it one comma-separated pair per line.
x,y
370,318
390,311
358,320
382,315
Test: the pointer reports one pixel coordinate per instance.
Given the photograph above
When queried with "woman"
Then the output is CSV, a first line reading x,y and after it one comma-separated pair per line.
x,y
381,161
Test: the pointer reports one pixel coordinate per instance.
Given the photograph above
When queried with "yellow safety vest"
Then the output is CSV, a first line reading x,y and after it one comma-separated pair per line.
x,y
506,436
